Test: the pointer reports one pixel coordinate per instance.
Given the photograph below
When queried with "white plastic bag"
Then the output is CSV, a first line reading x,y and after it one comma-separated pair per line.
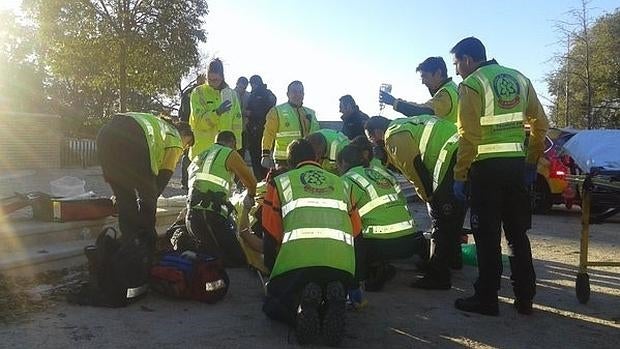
x,y
67,186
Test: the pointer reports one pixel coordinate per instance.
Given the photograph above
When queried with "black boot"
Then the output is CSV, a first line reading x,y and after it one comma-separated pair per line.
x,y
474,304
308,324
334,319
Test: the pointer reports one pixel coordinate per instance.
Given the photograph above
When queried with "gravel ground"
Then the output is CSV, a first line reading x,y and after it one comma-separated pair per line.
x,y
398,317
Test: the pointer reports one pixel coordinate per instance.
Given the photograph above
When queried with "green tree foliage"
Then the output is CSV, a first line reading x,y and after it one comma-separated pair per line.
x,y
102,51
586,84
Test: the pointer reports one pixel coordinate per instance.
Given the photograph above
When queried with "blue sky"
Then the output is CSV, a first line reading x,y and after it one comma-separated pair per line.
x,y
342,47
351,47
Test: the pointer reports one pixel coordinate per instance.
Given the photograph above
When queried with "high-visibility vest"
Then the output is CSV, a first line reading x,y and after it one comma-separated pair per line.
x,y
503,93
380,204
290,129
159,136
208,173
335,141
315,221
206,124
452,90
437,141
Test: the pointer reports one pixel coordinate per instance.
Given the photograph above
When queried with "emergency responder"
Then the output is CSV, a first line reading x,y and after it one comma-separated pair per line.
x,y
327,144
184,112
209,220
374,155
215,107
310,225
494,103
138,153
423,149
443,90
388,230
286,123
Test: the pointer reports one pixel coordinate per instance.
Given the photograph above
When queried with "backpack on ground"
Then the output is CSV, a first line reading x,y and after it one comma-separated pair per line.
x,y
118,271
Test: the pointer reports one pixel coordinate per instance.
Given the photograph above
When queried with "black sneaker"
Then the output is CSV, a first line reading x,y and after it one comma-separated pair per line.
x,y
523,307
473,304
430,283
334,319
308,324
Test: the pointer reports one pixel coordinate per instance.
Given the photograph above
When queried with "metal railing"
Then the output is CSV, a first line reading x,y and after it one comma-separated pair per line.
x,y
78,152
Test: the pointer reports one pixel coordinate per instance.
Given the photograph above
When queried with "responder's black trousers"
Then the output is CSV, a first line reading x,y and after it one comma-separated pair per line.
x,y
126,164
447,216
185,162
215,236
284,291
372,254
254,136
499,198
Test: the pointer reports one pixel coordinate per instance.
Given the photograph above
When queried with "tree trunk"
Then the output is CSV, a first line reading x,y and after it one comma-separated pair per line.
x,y
123,77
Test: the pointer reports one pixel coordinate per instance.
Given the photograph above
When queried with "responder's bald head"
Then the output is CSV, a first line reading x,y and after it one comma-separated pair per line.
x,y
295,93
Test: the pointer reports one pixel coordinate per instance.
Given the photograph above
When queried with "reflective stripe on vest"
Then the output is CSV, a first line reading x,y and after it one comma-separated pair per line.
x,y
364,183
499,148
501,119
213,179
388,229
287,191
280,154
333,149
441,159
490,117
289,134
314,202
317,233
374,203
426,135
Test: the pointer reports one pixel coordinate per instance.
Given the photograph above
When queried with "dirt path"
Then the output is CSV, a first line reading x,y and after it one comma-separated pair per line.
x,y
399,317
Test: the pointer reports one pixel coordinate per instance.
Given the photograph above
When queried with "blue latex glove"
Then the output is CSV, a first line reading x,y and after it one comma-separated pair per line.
x,y
530,174
459,190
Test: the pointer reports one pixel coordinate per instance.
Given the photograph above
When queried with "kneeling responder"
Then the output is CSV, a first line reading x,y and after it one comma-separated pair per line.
x,y
423,148
209,220
327,144
310,225
388,230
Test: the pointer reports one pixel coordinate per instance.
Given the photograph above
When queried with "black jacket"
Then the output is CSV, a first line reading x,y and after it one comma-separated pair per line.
x,y
259,103
185,108
353,124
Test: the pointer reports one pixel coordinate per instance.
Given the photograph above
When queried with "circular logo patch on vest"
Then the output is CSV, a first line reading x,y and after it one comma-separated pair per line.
x,y
315,182
507,91
376,177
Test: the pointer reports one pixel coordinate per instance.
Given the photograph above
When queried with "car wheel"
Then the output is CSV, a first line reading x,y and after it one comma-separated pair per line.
x,y
541,198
